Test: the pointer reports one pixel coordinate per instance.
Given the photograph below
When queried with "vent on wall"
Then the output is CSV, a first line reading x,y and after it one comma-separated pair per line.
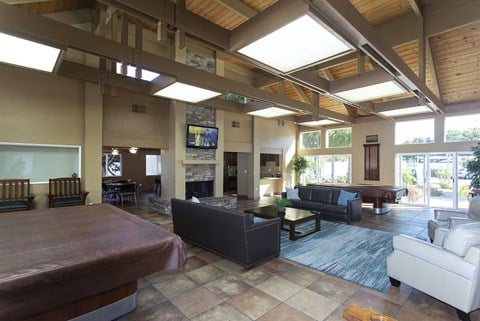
x,y
138,108
235,124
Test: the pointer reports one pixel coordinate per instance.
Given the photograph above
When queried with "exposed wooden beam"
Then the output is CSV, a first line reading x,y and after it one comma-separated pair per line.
x,y
328,75
433,70
42,29
299,91
353,25
238,7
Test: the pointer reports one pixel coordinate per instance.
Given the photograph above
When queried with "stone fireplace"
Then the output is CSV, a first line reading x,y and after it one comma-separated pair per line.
x,y
198,189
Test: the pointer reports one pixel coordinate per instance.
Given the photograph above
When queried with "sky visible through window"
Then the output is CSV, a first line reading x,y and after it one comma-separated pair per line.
x,y
414,132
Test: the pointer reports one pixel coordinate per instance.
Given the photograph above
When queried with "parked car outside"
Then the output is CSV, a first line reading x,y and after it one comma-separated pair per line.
x,y
464,173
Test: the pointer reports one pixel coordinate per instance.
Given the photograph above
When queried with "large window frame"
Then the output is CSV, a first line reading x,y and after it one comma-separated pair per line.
x,y
311,139
153,165
419,131
328,169
339,137
39,162
461,128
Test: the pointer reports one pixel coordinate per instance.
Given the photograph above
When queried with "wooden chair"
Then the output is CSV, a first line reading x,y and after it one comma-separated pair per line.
x,y
65,191
128,190
15,195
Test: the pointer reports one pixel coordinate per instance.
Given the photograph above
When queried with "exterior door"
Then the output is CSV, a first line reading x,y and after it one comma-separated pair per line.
x,y
412,172
441,180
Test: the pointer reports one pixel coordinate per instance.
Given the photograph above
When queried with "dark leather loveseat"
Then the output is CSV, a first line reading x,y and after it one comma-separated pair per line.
x,y
226,232
325,200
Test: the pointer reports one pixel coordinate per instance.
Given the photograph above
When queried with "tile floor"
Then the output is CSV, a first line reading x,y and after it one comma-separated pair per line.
x,y
211,288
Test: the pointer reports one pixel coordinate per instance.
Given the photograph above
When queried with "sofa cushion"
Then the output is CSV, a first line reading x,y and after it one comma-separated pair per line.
x,y
292,193
195,200
322,195
461,238
337,209
305,193
311,205
344,197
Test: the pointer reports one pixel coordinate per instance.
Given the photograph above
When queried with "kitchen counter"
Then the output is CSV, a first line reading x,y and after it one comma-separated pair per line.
x,y
270,186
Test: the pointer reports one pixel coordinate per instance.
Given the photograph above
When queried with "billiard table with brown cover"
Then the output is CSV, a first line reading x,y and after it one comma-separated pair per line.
x,y
51,259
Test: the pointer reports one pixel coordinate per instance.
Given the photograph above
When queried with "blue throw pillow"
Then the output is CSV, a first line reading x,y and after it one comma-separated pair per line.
x,y
344,197
292,194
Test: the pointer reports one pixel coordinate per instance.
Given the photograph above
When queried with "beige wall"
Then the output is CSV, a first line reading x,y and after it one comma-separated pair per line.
x,y
124,128
40,108
238,139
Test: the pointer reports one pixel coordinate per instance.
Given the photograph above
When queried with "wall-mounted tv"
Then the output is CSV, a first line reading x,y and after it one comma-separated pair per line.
x,y
199,136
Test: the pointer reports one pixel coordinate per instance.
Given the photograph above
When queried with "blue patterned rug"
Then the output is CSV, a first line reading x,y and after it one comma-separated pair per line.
x,y
349,252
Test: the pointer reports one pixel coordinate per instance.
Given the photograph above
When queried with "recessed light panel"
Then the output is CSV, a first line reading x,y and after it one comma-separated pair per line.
x,y
299,43
26,53
185,92
271,112
406,111
380,90
321,122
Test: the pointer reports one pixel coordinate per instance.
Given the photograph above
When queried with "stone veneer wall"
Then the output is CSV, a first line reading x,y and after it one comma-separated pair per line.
x,y
198,115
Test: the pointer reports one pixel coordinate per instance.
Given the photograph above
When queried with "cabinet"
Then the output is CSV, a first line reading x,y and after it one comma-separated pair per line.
x,y
372,162
264,158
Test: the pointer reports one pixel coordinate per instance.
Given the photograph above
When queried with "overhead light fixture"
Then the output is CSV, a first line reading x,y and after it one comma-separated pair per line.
x,y
271,112
186,92
147,75
381,90
406,111
295,41
26,53
321,122
133,150
401,107
115,151
366,86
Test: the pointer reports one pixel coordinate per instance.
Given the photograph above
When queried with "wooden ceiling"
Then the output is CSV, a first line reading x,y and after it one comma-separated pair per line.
x,y
452,59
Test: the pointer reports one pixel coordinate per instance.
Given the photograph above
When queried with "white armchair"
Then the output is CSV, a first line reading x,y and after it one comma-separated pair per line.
x,y
451,218
448,269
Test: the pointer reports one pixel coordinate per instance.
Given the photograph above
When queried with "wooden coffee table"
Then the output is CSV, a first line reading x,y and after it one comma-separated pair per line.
x,y
292,217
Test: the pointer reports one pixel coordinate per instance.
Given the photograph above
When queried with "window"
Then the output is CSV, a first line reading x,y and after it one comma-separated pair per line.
x,y
462,128
414,132
311,139
39,162
111,165
328,169
153,165
339,137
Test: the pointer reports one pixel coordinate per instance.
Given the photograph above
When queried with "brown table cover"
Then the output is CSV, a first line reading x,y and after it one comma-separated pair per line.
x,y
55,256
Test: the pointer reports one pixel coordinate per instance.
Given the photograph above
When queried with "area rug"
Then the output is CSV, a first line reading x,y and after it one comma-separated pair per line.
x,y
349,252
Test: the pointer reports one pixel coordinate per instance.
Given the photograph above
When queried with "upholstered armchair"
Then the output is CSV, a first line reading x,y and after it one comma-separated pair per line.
x,y
451,218
448,269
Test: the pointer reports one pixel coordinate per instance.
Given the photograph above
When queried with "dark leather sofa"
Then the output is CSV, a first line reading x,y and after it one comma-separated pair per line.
x,y
325,201
226,232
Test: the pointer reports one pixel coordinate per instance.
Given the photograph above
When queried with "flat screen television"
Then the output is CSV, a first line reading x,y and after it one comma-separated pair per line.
x,y
199,136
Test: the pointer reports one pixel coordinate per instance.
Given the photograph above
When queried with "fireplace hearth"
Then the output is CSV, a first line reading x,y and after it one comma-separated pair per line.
x,y
198,189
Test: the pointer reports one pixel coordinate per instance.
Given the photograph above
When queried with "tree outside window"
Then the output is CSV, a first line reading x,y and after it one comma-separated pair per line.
x,y
339,137
310,140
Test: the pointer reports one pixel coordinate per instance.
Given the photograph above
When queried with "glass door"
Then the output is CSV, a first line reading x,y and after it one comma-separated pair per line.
x,y
441,180
412,171
464,178
435,179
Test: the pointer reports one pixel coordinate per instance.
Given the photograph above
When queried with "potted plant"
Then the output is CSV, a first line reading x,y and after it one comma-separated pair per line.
x,y
280,203
300,165
473,167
